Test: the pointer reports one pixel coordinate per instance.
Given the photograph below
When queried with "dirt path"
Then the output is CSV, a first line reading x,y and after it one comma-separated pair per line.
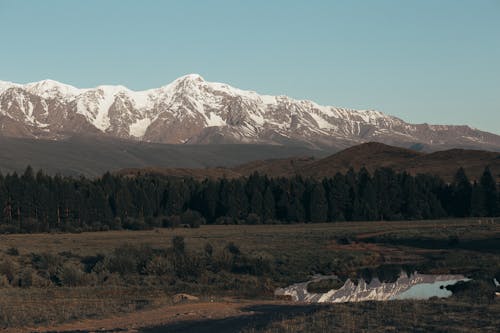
x,y
161,317
257,316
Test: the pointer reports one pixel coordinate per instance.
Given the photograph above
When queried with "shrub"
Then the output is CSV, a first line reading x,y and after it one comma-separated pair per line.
x,y
116,223
253,219
192,218
4,281
8,268
90,262
172,221
25,278
128,259
225,220
8,229
71,275
209,250
178,245
233,249
135,224
12,251
47,263
152,222
158,265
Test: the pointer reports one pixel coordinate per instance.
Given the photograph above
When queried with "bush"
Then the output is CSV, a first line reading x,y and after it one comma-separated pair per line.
x,y
178,245
158,265
8,229
225,220
25,278
253,219
48,263
71,275
116,224
135,224
233,249
8,268
172,221
12,251
192,218
90,262
152,222
209,250
4,281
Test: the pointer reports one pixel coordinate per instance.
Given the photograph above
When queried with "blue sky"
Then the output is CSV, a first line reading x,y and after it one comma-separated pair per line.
x,y
435,61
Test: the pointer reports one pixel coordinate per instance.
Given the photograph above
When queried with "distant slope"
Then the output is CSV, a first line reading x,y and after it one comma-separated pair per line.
x,y
369,155
376,155
445,163
94,155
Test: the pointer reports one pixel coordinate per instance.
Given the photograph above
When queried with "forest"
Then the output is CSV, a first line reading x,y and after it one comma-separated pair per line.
x,y
36,202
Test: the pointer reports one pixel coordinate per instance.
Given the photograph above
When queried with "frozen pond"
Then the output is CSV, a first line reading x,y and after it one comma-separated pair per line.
x,y
407,286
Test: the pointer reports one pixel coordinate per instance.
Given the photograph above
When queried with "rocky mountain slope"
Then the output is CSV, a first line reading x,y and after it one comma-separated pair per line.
x,y
191,110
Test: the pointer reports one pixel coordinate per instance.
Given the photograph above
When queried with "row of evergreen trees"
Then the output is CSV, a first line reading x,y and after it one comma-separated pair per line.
x,y
32,203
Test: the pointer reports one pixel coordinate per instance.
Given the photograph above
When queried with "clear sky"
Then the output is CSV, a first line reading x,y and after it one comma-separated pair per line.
x,y
435,61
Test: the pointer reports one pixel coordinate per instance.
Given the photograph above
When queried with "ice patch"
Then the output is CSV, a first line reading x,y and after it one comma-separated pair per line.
x,y
214,119
139,128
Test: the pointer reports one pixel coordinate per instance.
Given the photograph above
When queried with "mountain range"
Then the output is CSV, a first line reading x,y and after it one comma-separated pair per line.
x,y
191,110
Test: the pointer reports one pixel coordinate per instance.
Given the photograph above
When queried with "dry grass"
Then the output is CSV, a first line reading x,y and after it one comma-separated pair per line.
x,y
298,250
266,237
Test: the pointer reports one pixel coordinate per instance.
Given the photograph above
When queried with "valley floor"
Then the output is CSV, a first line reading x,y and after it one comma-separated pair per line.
x,y
229,298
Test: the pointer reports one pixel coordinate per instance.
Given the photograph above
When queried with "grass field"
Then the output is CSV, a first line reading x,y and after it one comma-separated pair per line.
x,y
294,252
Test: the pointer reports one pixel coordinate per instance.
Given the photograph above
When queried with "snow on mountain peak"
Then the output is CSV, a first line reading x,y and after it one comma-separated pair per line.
x,y
191,77
190,109
52,89
4,85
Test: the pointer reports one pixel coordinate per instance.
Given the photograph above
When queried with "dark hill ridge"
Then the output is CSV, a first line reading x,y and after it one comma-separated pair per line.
x,y
93,155
374,155
370,155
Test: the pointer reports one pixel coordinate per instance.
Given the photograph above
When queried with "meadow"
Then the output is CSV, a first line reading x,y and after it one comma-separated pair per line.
x,y
63,277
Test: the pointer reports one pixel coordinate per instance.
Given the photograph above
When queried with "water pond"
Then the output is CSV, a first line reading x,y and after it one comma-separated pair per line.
x,y
406,286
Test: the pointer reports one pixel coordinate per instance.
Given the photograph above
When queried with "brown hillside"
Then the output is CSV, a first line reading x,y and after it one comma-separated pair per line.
x,y
371,155
445,163
376,155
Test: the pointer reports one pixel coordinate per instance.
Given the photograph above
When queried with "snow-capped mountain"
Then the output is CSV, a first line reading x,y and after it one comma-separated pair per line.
x,y
191,110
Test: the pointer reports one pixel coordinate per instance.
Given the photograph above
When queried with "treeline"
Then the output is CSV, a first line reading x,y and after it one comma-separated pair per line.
x,y
37,202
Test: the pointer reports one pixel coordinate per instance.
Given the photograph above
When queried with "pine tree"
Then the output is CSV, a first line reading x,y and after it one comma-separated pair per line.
x,y
318,205
461,196
477,201
268,206
489,190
